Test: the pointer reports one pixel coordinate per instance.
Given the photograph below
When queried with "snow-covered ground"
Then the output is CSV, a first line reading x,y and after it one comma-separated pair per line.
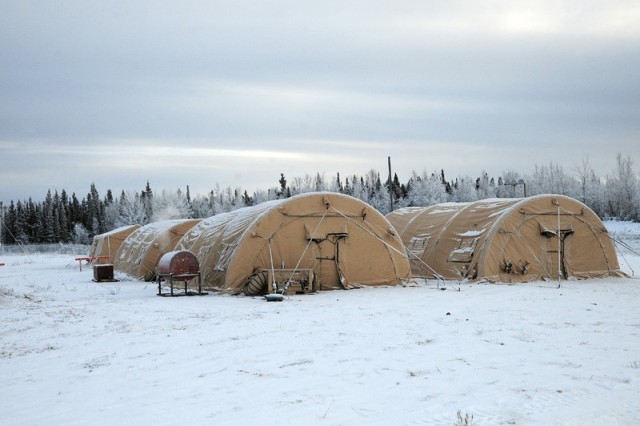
x,y
75,352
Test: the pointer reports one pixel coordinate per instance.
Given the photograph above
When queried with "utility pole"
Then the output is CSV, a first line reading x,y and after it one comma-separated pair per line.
x,y
390,183
1,225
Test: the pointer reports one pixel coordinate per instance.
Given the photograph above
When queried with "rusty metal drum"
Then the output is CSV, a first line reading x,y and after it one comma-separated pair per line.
x,y
178,263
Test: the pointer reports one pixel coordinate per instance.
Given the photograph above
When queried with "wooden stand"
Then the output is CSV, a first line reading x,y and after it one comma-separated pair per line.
x,y
170,278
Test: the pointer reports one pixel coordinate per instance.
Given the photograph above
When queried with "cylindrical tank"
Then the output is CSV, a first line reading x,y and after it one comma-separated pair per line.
x,y
178,263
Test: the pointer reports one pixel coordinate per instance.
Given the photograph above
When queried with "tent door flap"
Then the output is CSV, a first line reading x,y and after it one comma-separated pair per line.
x,y
464,252
318,236
552,231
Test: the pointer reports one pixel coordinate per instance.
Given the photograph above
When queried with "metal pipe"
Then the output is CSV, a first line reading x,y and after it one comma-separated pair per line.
x,y
390,183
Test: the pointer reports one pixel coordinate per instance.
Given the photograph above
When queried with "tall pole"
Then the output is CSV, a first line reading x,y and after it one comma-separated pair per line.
x,y
559,249
390,183
1,225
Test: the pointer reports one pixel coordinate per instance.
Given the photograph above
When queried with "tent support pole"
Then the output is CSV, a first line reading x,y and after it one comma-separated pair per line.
x,y
273,272
559,248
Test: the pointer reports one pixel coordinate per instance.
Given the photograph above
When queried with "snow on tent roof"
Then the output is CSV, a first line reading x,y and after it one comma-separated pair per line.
x,y
140,251
507,240
107,244
346,243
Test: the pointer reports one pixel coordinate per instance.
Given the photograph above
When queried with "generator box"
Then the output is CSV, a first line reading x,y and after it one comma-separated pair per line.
x,y
103,273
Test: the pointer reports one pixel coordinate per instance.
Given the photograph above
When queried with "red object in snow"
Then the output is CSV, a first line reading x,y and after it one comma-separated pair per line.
x,y
179,264
91,259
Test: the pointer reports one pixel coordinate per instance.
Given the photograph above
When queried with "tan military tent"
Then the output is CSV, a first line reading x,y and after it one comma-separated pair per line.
x,y
140,251
345,243
507,240
106,245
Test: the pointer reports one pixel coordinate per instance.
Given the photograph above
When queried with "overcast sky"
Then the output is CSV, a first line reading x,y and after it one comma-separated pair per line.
x,y
236,92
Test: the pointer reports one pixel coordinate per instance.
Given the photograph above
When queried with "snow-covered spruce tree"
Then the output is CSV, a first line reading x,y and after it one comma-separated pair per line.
x,y
397,190
112,215
171,205
131,210
232,200
66,226
146,197
485,186
94,219
282,191
76,213
379,199
15,224
46,223
347,187
320,183
260,196
358,188
464,190
425,190
336,185
81,235
204,206
246,199
375,193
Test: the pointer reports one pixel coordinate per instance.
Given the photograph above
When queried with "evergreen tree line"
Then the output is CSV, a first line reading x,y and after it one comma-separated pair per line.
x,y
61,218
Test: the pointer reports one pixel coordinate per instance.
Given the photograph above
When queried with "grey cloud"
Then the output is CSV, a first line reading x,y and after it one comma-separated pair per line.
x,y
285,75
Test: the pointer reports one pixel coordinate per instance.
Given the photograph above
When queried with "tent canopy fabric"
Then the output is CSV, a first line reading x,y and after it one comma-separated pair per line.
x,y
507,240
344,241
140,252
107,244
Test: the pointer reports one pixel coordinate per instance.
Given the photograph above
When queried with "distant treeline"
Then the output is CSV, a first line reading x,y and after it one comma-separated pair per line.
x,y
63,218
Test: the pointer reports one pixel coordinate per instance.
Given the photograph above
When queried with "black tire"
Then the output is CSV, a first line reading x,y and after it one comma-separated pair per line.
x,y
315,282
256,284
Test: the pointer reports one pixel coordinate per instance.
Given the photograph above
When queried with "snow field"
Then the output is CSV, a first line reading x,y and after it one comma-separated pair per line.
x,y
76,352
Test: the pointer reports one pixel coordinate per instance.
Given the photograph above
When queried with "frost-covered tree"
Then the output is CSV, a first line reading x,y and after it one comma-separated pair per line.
x,y
171,205
551,179
57,217
132,210
425,190
358,188
370,190
94,218
9,221
46,221
336,185
380,200
301,185
260,196
504,188
204,206
246,199
485,186
622,190
66,227
347,189
590,188
230,199
81,235
464,190
146,197
320,183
